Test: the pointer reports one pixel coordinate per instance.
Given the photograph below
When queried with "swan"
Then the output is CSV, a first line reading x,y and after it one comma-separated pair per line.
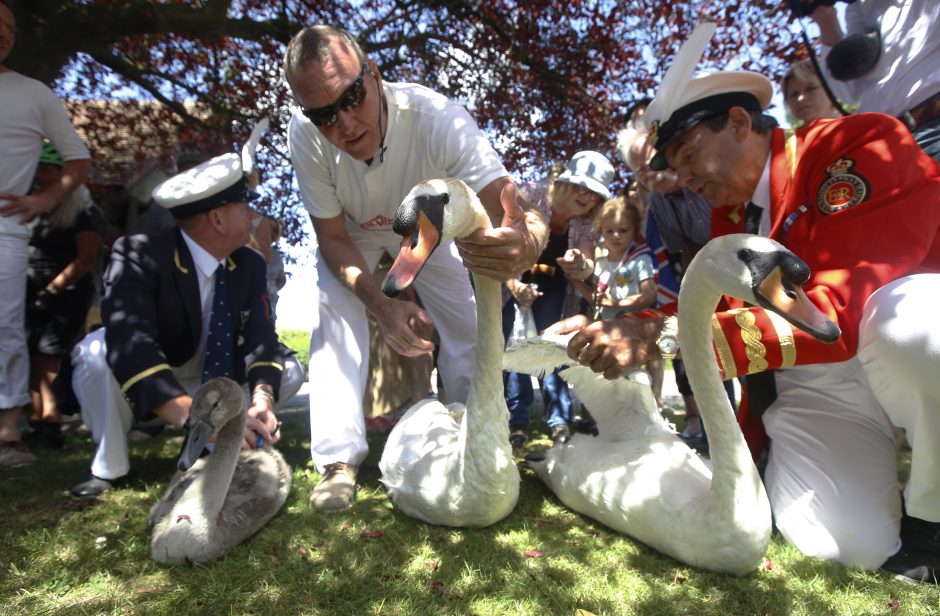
x,y
224,498
451,465
637,476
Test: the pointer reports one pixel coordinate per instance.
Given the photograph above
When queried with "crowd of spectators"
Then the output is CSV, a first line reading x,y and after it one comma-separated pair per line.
x,y
194,297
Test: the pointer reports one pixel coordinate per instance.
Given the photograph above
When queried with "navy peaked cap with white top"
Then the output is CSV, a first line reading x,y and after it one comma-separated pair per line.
x,y
205,187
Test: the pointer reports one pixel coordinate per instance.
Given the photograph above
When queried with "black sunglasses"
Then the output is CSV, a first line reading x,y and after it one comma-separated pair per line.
x,y
351,98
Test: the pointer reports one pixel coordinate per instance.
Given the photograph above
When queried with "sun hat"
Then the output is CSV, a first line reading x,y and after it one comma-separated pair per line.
x,y
591,170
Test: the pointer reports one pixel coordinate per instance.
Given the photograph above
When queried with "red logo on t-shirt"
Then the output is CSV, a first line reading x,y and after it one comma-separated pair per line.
x,y
376,223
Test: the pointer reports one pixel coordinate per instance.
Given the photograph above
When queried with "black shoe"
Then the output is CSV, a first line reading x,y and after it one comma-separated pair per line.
x,y
518,438
913,565
920,534
44,434
561,434
95,486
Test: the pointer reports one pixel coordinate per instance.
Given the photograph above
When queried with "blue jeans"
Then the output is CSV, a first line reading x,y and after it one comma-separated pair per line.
x,y
518,387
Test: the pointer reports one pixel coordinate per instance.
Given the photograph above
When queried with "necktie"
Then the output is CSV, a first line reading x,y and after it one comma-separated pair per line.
x,y
752,216
219,360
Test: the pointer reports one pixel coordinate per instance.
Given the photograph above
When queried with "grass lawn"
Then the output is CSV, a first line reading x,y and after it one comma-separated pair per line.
x,y
59,555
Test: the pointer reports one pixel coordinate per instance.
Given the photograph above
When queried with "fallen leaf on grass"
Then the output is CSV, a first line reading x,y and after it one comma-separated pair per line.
x,y
431,566
344,527
303,552
371,534
534,553
894,604
679,579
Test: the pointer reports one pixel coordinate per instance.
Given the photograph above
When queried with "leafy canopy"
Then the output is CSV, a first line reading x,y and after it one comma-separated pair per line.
x,y
543,78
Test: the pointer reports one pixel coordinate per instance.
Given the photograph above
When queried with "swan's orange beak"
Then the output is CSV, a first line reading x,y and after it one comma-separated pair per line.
x,y
416,248
776,292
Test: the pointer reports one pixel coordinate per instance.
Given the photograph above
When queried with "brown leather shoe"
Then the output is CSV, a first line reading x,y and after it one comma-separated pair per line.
x,y
336,490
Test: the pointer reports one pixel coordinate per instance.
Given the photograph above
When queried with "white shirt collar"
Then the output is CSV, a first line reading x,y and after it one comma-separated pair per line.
x,y
761,197
205,262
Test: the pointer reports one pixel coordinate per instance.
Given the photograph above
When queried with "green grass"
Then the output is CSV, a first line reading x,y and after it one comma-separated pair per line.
x,y
62,556
298,341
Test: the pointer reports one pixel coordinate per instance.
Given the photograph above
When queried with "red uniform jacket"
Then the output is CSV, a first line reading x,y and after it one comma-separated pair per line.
x,y
859,202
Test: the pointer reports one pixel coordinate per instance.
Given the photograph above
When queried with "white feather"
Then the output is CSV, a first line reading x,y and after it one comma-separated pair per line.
x,y
672,87
250,149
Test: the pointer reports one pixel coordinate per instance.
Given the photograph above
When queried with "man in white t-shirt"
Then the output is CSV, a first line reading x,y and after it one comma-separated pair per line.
x,y
888,62
31,112
358,145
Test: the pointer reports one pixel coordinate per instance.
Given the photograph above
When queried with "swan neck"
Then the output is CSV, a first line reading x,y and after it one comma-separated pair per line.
x,y
728,451
212,484
487,373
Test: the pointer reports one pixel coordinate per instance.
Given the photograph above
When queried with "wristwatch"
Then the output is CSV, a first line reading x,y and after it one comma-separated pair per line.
x,y
668,341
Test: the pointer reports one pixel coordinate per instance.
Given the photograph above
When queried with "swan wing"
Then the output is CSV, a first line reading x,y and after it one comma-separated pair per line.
x,y
427,433
538,355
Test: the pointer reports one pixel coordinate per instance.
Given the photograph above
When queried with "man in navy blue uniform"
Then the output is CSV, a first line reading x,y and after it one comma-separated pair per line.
x,y
179,308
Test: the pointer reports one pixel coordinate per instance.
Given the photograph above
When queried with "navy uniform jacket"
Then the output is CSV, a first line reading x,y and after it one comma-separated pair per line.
x,y
153,318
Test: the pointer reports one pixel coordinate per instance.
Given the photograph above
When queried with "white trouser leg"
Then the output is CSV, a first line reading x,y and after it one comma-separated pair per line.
x,y
899,348
339,366
14,356
832,472
445,292
104,410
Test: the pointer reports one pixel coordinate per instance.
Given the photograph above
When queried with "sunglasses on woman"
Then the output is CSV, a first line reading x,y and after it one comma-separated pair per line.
x,y
351,98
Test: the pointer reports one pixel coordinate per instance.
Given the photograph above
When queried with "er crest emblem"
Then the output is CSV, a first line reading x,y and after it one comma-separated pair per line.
x,y
843,189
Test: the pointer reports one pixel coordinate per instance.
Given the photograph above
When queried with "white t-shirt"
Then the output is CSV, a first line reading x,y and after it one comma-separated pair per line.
x,y
621,280
29,112
908,71
428,136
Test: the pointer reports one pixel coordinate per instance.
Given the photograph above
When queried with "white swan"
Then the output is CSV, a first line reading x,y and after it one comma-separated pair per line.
x,y
637,476
452,465
221,499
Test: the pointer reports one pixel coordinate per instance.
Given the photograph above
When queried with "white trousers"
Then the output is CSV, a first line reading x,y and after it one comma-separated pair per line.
x,y
832,473
106,412
339,345
14,355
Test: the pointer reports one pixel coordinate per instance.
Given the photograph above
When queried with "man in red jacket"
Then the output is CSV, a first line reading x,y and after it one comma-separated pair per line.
x,y
859,202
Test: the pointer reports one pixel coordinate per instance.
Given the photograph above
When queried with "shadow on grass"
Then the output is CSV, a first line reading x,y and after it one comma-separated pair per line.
x,y
63,555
